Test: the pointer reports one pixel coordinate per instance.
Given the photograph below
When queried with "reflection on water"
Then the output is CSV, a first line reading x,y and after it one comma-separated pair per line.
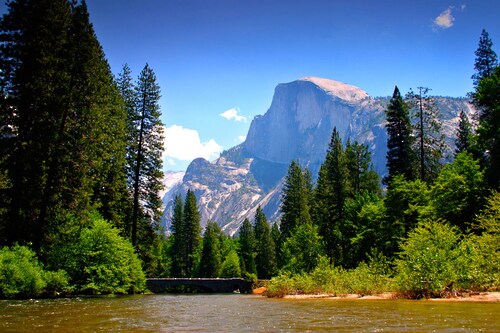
x,y
244,313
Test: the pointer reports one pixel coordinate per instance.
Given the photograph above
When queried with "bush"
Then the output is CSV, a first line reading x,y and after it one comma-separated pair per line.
x,y
100,261
21,275
428,260
364,280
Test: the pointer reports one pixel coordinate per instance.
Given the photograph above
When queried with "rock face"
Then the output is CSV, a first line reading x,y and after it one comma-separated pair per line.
x,y
297,126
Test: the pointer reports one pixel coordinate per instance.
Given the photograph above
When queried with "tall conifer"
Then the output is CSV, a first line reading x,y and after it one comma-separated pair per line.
x,y
486,58
147,163
265,259
400,156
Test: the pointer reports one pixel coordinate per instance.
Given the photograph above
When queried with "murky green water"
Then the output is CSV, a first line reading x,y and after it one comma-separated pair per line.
x,y
244,313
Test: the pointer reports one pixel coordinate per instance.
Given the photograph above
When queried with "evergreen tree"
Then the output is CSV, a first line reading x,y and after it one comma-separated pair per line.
x,y
487,98
330,196
463,141
399,139
147,162
278,243
265,259
67,154
486,58
295,199
210,263
178,250
126,87
427,131
361,176
192,232
247,247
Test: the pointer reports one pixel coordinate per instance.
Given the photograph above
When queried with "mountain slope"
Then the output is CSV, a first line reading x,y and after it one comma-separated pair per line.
x,y
297,126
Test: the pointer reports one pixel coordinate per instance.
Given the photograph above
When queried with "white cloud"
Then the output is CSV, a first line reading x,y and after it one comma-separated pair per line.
x,y
242,138
185,144
445,19
232,114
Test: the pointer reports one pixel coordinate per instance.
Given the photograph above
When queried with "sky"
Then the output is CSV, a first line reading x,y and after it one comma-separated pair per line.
x,y
218,61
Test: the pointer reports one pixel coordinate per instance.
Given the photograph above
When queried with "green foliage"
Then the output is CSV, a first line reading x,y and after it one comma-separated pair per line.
x,y
330,196
464,140
100,261
400,155
428,260
486,97
326,279
296,199
20,273
22,276
247,248
486,58
361,176
210,263
429,142
192,233
303,249
406,202
145,152
265,259
365,215
231,266
458,191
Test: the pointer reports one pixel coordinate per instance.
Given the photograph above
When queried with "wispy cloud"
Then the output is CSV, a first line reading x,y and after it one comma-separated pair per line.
x,y
232,114
445,19
242,138
185,144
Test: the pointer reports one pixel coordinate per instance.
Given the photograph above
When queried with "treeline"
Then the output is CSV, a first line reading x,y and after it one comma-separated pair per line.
x,y
79,148
433,230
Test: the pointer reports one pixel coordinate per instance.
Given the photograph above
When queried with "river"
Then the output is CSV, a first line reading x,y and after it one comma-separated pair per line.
x,y
243,313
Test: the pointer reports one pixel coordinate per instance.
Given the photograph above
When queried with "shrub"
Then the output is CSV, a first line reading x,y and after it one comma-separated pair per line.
x,y
21,275
100,261
428,260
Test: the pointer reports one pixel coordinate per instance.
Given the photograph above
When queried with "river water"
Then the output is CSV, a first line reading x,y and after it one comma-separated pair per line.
x,y
244,313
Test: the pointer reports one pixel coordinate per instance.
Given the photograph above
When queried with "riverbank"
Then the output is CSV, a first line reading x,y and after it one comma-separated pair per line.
x,y
464,297
476,297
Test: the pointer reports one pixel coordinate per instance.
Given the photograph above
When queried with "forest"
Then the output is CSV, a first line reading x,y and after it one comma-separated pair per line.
x,y
81,169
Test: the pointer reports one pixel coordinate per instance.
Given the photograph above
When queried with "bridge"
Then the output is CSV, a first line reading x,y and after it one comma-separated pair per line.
x,y
214,285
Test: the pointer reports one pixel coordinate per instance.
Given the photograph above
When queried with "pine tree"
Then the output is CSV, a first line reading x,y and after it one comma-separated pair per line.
x,y
148,154
67,155
265,259
487,98
463,141
486,58
178,251
247,247
399,139
127,90
210,263
295,198
427,131
361,176
192,232
330,196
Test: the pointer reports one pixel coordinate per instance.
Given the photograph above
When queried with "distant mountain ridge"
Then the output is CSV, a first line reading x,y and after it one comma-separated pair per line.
x,y
297,126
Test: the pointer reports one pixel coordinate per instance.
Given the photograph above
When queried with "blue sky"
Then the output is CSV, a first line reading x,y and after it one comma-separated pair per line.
x,y
216,58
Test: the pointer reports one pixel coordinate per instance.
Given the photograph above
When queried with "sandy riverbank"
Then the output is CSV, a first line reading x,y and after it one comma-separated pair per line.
x,y
479,297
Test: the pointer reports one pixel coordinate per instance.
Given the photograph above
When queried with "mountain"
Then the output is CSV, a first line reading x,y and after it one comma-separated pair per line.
x,y
297,126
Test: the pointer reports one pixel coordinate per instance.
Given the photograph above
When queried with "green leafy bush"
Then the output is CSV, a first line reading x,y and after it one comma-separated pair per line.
x,y
428,260
363,280
21,275
100,261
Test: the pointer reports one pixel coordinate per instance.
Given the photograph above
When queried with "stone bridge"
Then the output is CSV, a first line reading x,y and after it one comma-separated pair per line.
x,y
214,285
